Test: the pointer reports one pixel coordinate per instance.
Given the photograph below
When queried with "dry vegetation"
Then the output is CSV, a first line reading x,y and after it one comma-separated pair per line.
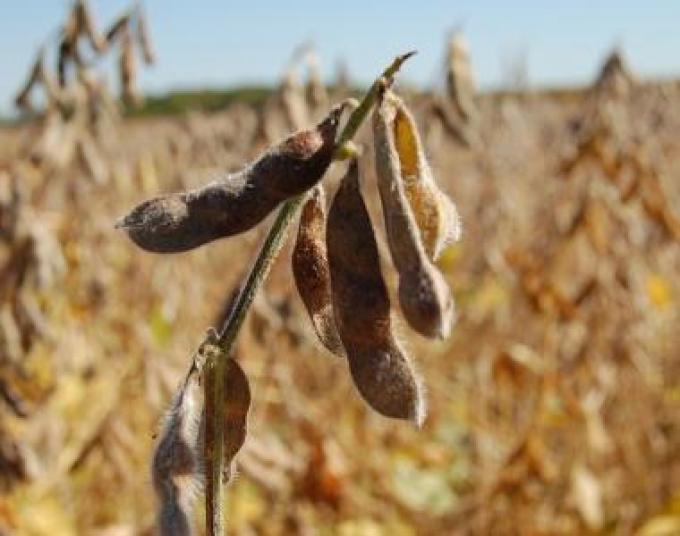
x,y
554,406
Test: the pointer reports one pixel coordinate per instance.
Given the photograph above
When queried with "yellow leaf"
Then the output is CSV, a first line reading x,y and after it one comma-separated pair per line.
x,y
659,291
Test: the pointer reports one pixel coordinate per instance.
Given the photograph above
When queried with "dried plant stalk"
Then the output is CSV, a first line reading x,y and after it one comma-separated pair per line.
x,y
424,295
117,28
228,206
379,366
311,270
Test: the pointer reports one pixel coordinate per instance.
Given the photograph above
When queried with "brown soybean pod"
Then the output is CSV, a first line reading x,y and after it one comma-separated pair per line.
x,y
144,38
233,204
177,468
424,295
68,46
311,270
87,25
379,366
176,462
51,85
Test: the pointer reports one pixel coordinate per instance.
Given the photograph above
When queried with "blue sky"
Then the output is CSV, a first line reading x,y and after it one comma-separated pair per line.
x,y
216,43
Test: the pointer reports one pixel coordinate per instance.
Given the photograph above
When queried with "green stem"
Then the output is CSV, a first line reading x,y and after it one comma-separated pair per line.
x,y
359,115
214,371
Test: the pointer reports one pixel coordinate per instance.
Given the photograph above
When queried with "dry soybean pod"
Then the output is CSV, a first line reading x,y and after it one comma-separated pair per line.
x,y
311,270
87,25
379,366
239,201
176,462
128,68
424,296
144,37
68,45
177,467
435,213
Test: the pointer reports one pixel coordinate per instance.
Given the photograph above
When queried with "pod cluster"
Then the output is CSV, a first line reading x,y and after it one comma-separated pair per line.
x,y
335,261
129,33
337,267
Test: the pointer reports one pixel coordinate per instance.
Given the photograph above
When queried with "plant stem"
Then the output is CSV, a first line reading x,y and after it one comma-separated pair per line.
x,y
360,114
214,371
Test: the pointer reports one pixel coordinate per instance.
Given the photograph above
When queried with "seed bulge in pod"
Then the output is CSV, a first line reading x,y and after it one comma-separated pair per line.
x,y
237,405
435,213
380,368
239,201
311,270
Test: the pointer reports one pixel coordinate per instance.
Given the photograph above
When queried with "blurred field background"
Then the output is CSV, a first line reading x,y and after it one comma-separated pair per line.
x,y
554,406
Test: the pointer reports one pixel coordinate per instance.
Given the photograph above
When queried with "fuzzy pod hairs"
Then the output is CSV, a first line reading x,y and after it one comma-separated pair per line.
x,y
435,213
177,469
312,271
424,295
379,366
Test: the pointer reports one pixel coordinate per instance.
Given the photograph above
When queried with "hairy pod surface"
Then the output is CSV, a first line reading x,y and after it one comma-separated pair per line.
x,y
424,296
435,213
176,462
233,204
177,467
379,366
312,272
